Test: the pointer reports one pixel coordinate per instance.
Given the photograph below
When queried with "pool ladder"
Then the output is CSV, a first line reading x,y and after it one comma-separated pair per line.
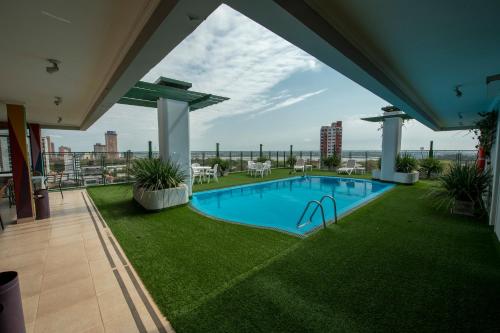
x,y
319,204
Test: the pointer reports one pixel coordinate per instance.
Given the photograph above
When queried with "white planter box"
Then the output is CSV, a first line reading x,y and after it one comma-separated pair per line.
x,y
376,174
406,178
156,200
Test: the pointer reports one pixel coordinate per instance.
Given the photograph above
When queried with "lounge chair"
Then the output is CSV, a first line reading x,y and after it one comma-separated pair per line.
x,y
349,167
300,165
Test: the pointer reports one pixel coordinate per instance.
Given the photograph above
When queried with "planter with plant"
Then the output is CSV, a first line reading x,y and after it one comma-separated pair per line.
x,y
331,162
406,166
159,183
462,188
430,167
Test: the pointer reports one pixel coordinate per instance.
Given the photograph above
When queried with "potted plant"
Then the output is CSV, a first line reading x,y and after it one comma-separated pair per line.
x,y
461,189
430,167
331,161
159,183
406,166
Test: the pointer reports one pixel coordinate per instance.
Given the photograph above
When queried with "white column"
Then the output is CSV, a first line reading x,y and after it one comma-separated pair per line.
x,y
173,134
495,168
391,146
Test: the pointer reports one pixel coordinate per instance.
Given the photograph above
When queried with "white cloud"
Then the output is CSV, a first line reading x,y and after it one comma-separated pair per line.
x,y
292,100
232,56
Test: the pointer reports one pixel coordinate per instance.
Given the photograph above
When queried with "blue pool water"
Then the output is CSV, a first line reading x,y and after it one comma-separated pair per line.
x,y
279,204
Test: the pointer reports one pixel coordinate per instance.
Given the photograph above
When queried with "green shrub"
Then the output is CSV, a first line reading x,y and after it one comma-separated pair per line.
x,y
430,166
463,183
331,161
406,163
291,161
155,174
262,159
223,164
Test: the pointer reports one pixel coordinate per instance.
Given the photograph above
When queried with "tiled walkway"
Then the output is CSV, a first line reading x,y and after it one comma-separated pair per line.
x,y
74,276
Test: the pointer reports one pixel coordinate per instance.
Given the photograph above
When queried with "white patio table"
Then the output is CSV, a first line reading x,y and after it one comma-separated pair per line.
x,y
201,169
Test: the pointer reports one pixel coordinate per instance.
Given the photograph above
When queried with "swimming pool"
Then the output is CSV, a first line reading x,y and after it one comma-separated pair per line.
x,y
279,204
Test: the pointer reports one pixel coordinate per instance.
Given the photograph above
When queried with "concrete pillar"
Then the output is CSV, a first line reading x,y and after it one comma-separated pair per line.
x,y
391,145
21,173
173,132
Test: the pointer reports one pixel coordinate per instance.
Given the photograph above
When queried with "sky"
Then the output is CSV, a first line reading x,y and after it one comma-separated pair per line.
x,y
279,96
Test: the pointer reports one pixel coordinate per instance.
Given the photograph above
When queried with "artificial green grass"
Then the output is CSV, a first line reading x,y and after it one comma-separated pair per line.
x,y
395,264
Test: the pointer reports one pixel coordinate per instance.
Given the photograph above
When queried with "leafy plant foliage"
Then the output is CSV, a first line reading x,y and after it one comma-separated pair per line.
x,y
156,174
406,163
430,166
463,183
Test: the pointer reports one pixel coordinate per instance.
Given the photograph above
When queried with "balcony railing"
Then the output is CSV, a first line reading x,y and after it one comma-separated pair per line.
x,y
89,168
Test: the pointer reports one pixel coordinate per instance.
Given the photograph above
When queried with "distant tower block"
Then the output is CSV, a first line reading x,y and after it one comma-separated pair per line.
x,y
111,140
331,139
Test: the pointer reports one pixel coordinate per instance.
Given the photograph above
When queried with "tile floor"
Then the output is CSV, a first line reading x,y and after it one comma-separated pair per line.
x,y
74,277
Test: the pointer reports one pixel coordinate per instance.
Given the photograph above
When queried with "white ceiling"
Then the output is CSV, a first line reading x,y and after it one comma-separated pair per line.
x,y
411,53
90,47
427,48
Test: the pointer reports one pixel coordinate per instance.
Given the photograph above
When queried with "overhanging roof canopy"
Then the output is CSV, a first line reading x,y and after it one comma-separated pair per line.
x,y
147,94
390,111
403,116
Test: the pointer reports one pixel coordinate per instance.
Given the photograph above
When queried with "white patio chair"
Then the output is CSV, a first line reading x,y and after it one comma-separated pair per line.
x,y
250,167
259,169
299,165
268,165
196,173
349,167
212,173
359,168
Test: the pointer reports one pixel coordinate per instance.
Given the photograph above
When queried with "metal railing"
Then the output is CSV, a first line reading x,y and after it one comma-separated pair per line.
x,y
90,168
318,204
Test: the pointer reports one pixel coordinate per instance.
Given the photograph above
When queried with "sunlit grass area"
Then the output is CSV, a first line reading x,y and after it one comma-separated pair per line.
x,y
395,264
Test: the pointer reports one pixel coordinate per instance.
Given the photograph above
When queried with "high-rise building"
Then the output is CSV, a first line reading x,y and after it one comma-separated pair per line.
x,y
111,139
331,139
46,156
5,163
99,148
64,149
50,144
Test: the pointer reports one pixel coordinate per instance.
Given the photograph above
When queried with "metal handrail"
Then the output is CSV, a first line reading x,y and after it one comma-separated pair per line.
x,y
305,210
334,206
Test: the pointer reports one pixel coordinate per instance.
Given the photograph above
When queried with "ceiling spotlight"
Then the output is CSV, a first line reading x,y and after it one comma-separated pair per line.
x,y
457,90
59,119
54,66
57,100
